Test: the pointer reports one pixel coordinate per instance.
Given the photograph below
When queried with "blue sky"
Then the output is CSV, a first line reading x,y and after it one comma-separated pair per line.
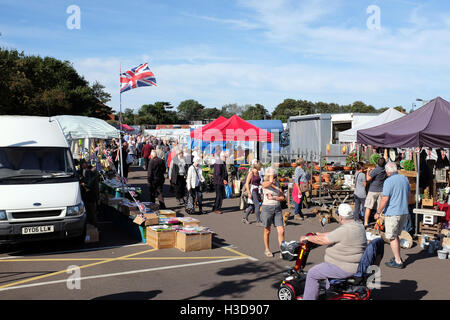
x,y
246,52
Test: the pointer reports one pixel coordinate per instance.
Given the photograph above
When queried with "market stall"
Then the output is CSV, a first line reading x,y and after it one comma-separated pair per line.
x,y
424,128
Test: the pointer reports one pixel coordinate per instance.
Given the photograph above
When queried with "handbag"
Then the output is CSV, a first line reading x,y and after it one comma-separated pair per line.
x,y
303,187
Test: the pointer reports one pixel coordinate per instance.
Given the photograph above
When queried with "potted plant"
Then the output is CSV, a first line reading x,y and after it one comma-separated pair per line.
x,y
408,165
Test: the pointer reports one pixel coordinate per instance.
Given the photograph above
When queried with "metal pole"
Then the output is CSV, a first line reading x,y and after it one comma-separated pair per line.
x,y
417,187
120,130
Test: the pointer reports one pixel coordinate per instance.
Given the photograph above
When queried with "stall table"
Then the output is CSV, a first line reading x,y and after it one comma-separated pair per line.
x,y
340,196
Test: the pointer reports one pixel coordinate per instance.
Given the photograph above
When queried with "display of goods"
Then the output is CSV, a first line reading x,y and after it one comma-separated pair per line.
x,y
194,229
408,165
163,220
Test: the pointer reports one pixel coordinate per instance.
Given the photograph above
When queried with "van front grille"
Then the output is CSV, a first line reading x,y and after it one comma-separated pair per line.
x,y
36,214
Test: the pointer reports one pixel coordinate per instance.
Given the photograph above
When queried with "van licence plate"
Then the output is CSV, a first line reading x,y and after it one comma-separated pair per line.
x,y
38,229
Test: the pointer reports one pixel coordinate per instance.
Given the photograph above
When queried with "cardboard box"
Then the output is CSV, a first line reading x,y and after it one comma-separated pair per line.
x,y
168,213
193,242
162,239
92,234
139,220
151,219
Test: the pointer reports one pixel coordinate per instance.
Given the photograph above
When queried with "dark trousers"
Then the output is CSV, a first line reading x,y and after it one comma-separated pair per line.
x,y
156,191
298,206
220,191
146,160
197,194
180,187
359,205
91,212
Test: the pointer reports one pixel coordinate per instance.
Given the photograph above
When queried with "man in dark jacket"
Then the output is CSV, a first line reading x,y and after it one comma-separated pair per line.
x,y
220,180
156,170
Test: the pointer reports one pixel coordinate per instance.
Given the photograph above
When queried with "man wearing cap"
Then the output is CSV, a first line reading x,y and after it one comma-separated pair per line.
x,y
346,245
395,200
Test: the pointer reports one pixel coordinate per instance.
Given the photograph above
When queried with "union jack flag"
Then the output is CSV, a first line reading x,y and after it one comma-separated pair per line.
x,y
141,76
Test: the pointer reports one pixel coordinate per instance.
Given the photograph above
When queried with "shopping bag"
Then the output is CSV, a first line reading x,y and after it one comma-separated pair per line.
x,y
190,204
228,191
237,186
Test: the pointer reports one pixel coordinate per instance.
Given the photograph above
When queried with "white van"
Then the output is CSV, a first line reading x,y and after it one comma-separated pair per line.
x,y
40,195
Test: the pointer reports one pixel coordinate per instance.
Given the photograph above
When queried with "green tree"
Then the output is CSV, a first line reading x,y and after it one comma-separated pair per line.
x,y
400,109
32,85
190,110
288,108
210,113
231,109
156,114
256,112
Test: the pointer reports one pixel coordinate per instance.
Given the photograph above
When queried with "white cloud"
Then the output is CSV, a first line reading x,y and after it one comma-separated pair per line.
x,y
237,23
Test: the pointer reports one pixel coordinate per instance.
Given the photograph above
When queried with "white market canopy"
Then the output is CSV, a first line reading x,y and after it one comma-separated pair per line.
x,y
385,117
79,127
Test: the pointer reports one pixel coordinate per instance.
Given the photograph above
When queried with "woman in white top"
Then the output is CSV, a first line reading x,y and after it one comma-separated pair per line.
x,y
193,184
271,208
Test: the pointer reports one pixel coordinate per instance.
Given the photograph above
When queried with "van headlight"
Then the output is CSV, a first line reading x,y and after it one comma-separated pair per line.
x,y
74,211
3,215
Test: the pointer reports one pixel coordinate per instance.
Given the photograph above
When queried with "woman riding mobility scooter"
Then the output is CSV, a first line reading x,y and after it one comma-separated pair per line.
x,y
354,288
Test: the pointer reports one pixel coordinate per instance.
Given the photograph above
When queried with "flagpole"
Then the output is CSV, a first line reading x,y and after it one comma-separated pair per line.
x,y
120,129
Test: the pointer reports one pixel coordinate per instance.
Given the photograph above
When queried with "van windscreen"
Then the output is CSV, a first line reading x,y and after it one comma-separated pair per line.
x,y
17,162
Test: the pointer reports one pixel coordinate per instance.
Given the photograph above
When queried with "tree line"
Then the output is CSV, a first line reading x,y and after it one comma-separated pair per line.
x,y
32,85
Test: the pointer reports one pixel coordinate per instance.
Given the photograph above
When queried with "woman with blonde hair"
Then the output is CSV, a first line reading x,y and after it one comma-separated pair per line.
x,y
271,208
253,186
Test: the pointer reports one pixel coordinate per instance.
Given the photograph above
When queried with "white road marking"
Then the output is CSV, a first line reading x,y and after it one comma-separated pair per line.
x,y
12,257
123,273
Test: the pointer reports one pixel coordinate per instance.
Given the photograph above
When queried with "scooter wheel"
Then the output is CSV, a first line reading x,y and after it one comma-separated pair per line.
x,y
285,293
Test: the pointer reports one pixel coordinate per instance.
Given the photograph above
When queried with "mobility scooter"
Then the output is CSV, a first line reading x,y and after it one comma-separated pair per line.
x,y
353,288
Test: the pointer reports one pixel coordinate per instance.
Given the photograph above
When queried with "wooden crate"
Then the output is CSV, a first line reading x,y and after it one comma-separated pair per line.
x,y
162,239
194,222
430,230
167,213
193,242
151,219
